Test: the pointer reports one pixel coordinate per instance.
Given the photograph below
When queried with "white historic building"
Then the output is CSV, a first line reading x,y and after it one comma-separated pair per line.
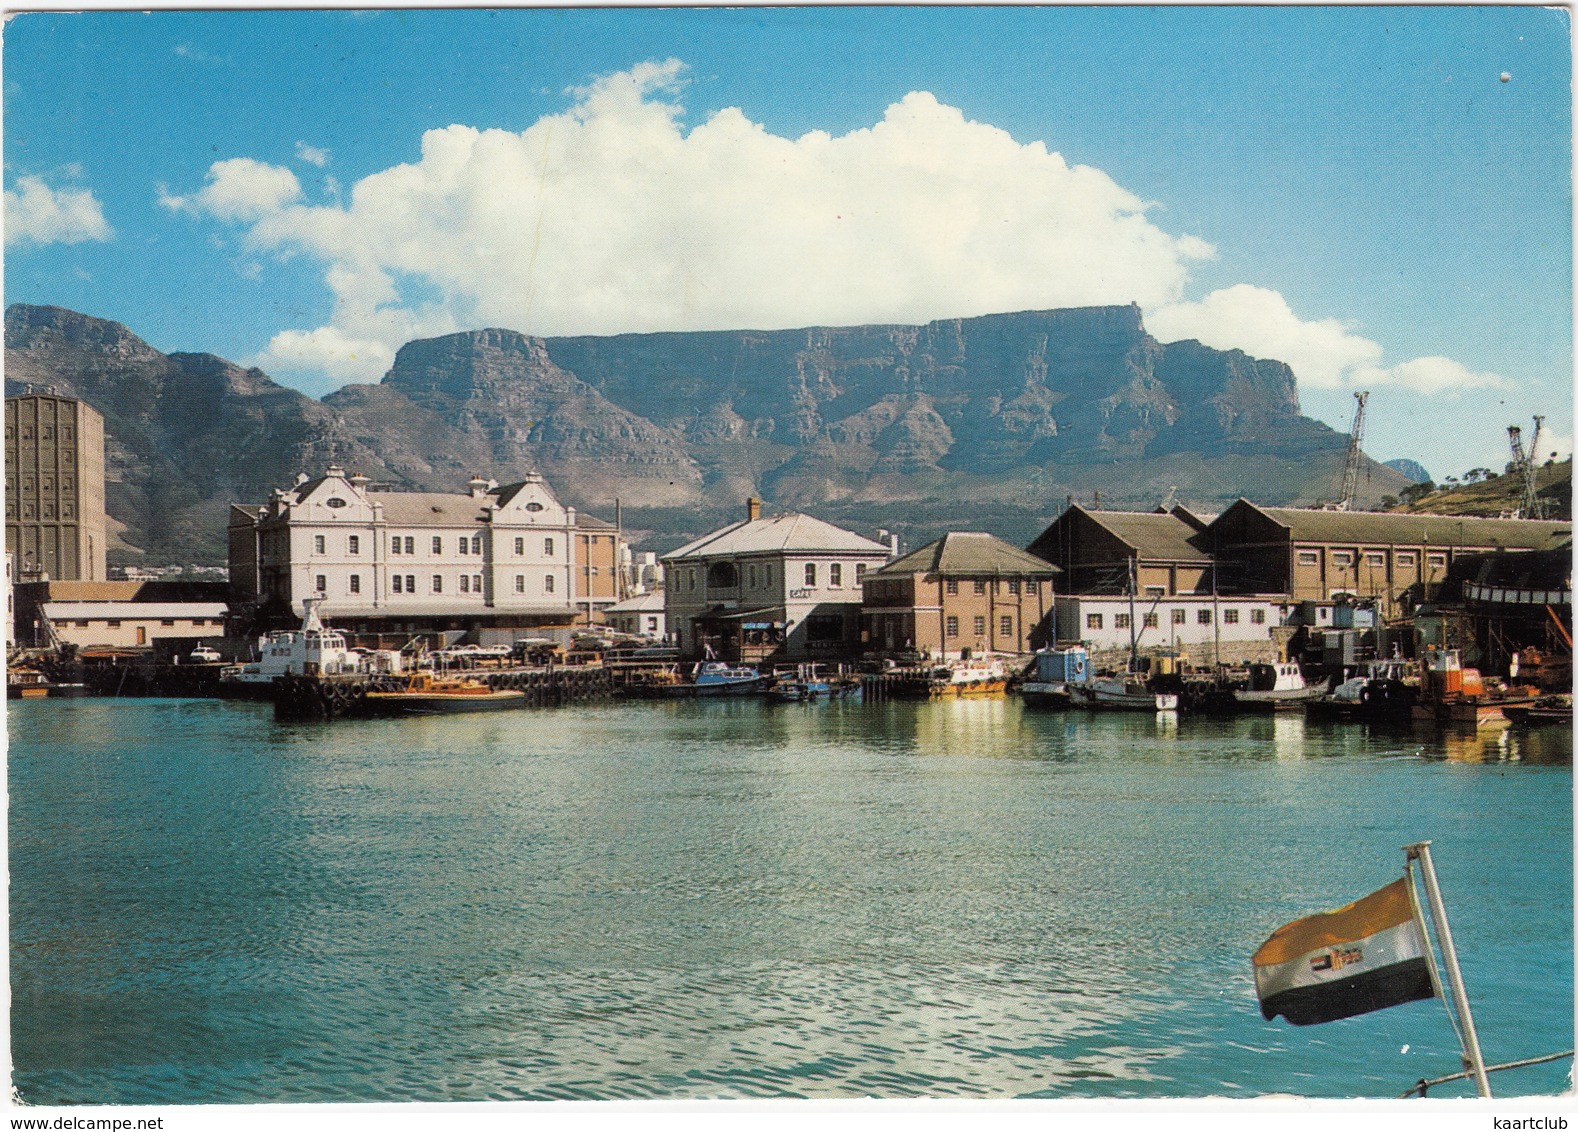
x,y
510,555
782,587
1206,628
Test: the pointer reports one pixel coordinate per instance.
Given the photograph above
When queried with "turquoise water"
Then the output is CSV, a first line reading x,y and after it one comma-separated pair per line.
x,y
741,899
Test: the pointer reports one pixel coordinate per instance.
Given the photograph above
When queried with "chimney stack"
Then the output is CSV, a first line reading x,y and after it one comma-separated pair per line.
x,y
753,509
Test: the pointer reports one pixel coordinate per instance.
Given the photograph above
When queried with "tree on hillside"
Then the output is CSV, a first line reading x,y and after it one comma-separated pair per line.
x,y
1414,492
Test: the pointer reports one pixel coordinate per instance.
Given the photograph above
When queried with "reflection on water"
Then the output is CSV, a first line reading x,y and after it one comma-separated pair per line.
x,y
737,898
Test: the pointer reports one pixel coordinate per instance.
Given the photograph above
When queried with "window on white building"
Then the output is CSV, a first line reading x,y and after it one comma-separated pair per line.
x,y
465,545
547,547
465,583
438,583
520,583
1153,620
1203,616
476,544
1180,616
547,584
652,624
394,545
860,572
476,583
1093,621
1230,616
356,583
835,574
1257,616
810,574
1121,621
396,584
353,544
520,547
317,544
438,544
322,585
410,583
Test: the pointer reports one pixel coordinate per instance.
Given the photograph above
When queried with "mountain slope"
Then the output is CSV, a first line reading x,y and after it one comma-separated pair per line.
x,y
1000,416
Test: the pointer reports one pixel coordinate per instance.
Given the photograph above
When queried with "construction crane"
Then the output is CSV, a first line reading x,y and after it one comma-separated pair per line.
x,y
1350,470
1525,465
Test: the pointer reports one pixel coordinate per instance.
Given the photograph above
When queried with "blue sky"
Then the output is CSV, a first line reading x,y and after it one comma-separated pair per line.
x,y
1355,191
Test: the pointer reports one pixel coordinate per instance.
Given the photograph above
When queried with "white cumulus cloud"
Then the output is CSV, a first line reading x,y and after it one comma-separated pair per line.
x,y
613,217
312,155
35,213
1323,353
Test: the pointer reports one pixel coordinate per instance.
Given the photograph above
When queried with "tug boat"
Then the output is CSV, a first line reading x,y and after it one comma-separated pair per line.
x,y
427,694
310,650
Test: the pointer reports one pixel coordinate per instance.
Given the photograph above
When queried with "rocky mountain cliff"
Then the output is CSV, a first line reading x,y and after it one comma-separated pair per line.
x,y
1000,416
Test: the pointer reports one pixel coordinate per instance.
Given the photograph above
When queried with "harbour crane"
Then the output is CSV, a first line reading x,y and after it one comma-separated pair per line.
x,y
1350,470
1525,465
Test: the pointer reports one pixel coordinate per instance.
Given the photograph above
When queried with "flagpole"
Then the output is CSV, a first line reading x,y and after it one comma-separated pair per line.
x,y
1472,1058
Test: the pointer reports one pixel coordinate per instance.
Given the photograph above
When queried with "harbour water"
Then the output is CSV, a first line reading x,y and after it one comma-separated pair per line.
x,y
740,899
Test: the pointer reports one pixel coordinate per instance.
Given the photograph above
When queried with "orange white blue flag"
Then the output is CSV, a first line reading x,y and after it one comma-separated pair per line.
x,y
1365,956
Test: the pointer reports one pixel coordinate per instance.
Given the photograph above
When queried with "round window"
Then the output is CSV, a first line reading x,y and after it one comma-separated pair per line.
x,y
335,501
534,506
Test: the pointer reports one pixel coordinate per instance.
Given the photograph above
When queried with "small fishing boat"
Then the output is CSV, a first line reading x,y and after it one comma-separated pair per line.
x,y
1122,693
716,678
1275,686
1381,694
1545,710
426,694
1052,675
974,678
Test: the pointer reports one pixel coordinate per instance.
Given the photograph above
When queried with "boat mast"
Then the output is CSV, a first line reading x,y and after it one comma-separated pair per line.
x,y
1473,1060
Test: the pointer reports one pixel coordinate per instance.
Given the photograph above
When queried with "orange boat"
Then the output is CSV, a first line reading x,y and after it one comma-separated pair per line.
x,y
427,694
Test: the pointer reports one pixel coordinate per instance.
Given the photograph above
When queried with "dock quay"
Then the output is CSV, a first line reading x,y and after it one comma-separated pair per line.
x,y
298,698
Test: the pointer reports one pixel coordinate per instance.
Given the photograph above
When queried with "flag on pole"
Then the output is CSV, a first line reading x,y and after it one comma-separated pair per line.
x,y
1365,956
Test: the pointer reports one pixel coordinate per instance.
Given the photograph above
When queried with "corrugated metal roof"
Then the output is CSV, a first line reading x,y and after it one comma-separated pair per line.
x,y
789,531
967,553
1157,538
1383,528
641,603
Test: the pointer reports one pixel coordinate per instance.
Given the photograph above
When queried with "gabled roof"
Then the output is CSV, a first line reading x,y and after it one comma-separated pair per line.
x,y
1153,537
970,553
1384,527
789,532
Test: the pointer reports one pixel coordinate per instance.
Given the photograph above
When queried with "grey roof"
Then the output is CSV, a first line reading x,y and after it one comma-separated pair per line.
x,y
428,508
790,531
1383,528
1157,538
650,601
970,553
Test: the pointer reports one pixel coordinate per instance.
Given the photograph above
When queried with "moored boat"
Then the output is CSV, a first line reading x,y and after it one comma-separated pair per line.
x,y
1382,693
1051,676
1274,686
426,694
1122,693
312,649
977,677
1545,710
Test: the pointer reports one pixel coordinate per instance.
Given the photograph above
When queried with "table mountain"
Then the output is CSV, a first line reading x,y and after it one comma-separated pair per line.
x,y
1002,415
